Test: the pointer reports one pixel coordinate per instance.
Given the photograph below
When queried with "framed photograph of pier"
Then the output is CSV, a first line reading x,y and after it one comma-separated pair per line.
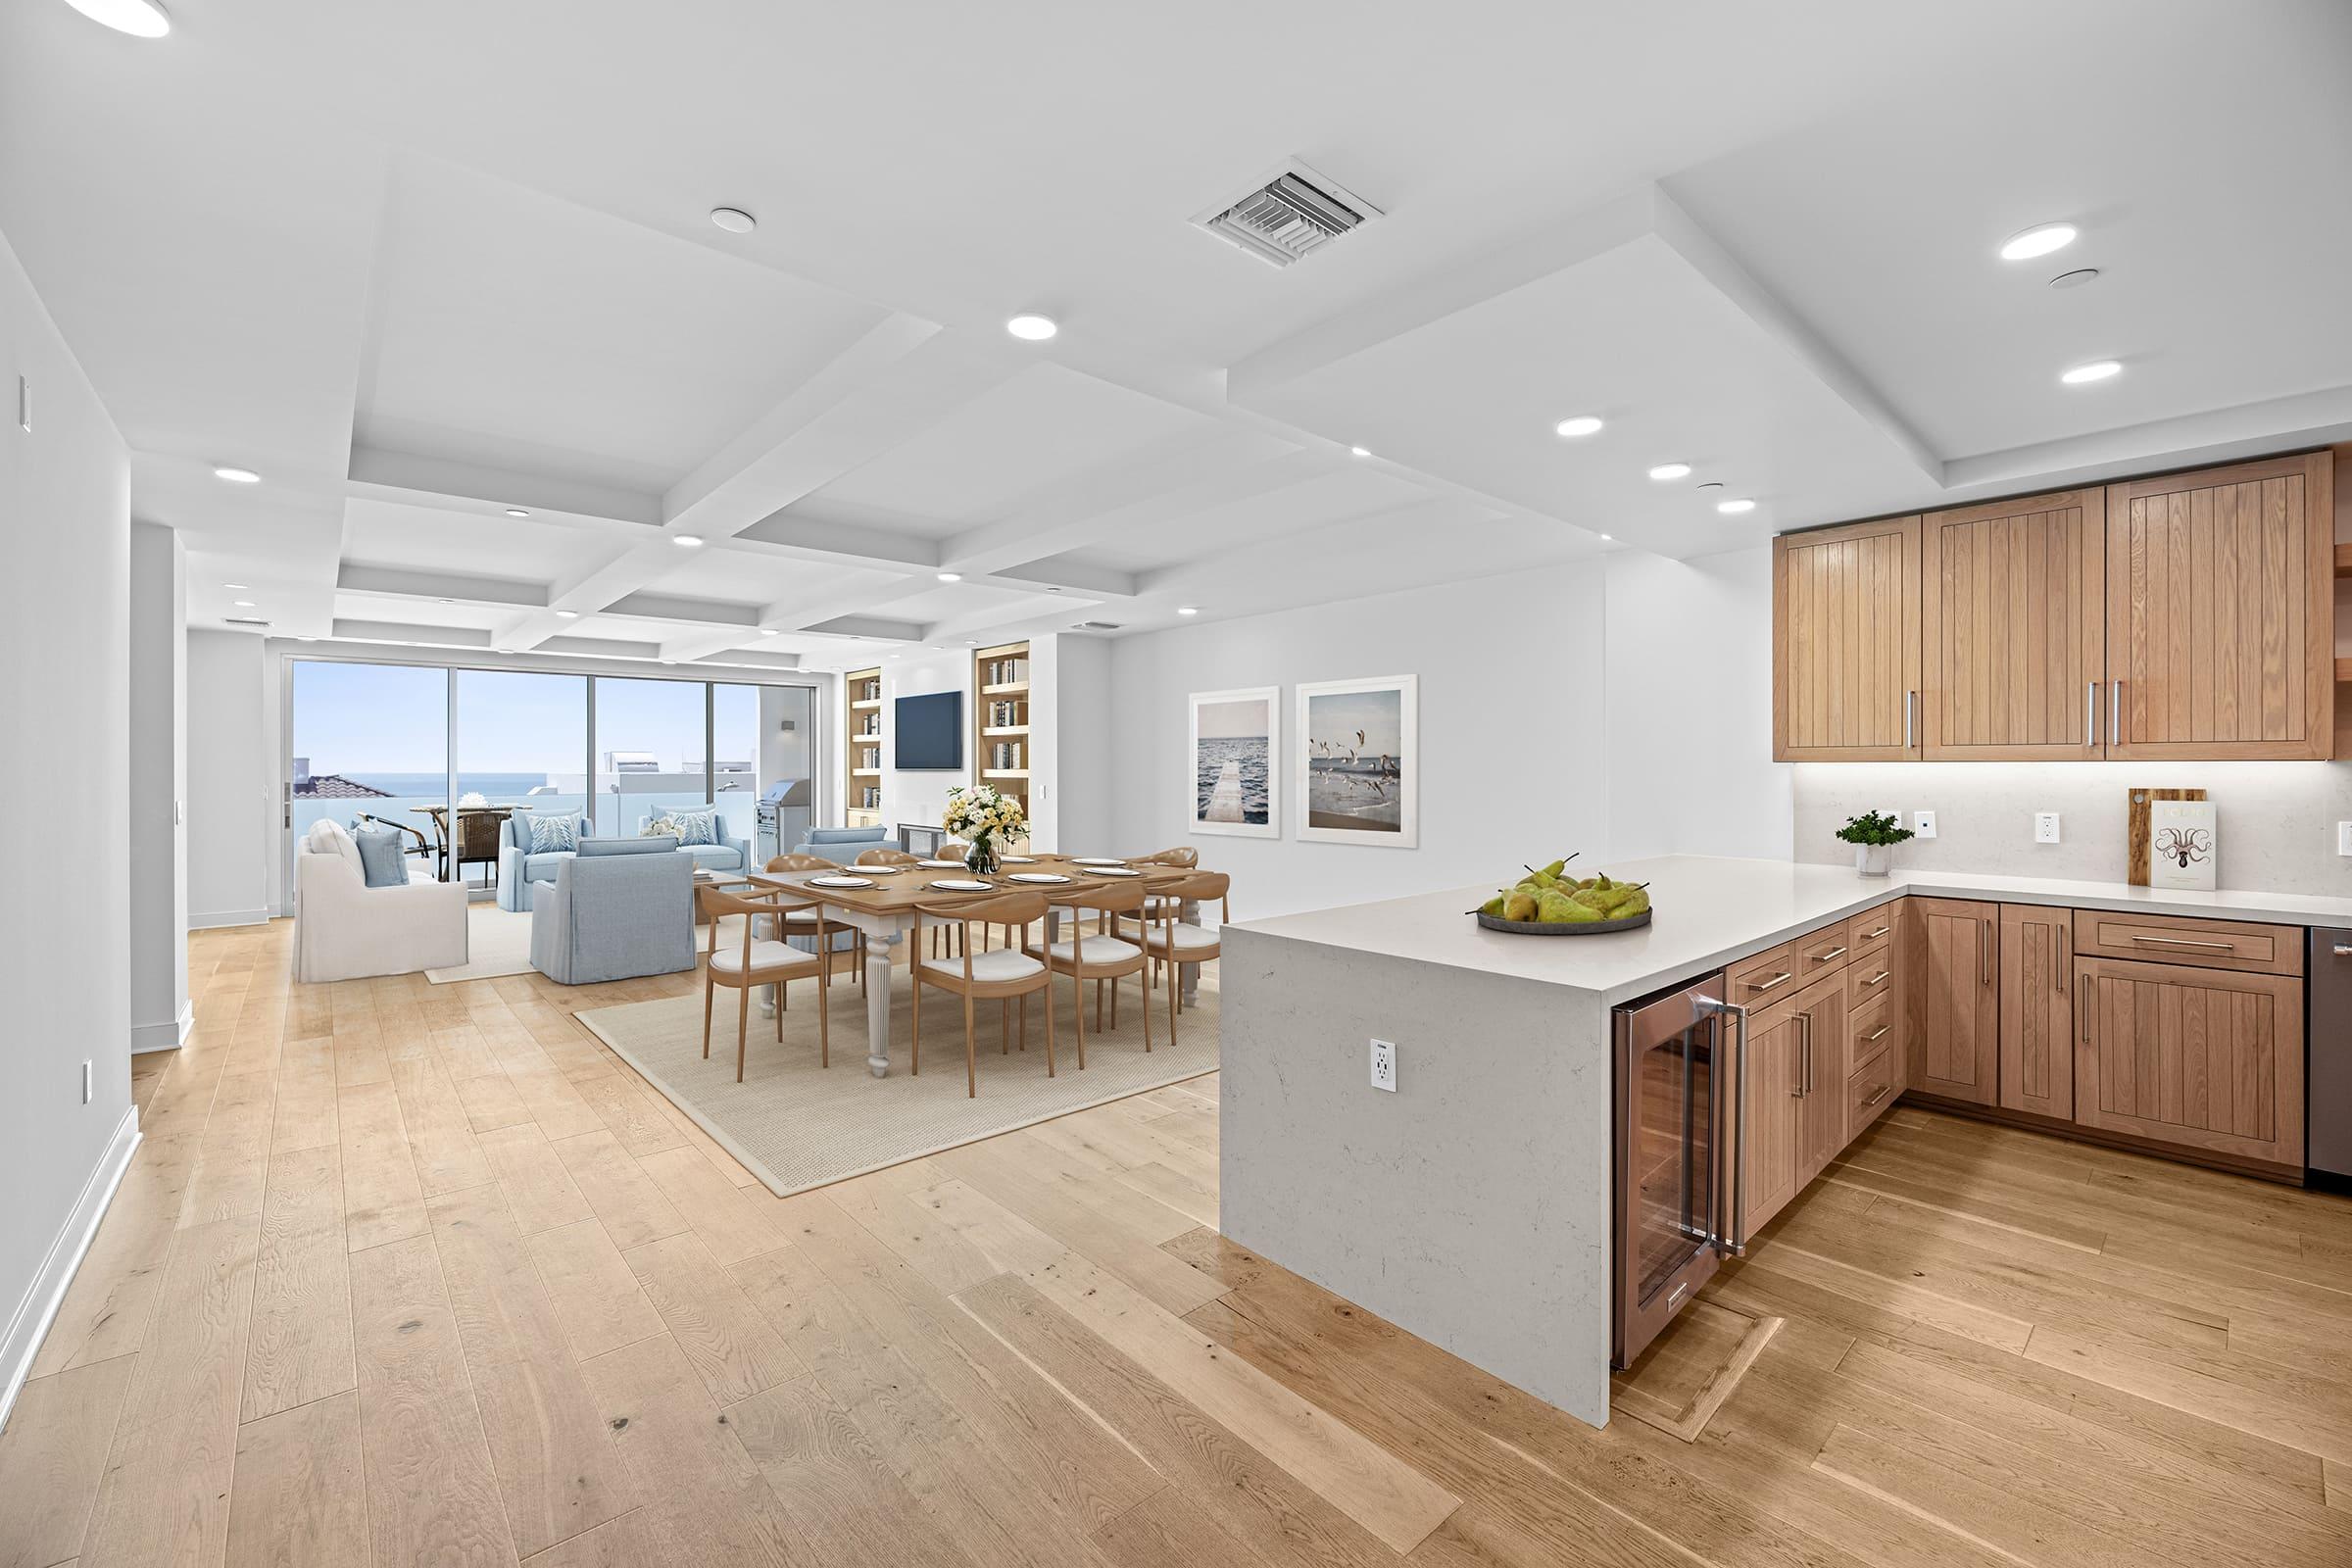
x,y
1236,739
1360,761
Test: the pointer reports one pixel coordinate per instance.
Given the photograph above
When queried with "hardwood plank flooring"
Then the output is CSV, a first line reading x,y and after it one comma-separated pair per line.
x,y
406,1273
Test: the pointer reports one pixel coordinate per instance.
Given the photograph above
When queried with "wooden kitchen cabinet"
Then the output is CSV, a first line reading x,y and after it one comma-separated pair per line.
x,y
2013,629
2204,1058
1956,1043
1795,1068
1846,643
2037,1011
2221,613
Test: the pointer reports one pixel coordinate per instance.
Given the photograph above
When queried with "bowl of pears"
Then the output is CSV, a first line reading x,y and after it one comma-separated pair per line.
x,y
1549,903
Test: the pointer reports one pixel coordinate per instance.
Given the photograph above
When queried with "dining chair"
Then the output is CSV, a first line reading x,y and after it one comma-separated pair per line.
x,y
998,976
1171,942
1098,958
478,834
801,922
1183,857
760,963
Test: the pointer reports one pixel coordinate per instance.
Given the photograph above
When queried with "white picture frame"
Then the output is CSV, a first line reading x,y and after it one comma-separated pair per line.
x,y
1235,740
1378,792
2184,845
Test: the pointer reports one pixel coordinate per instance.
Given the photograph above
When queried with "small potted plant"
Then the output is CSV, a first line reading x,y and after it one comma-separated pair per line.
x,y
1872,834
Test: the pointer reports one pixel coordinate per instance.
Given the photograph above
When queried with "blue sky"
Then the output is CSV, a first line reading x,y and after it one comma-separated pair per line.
x,y
393,718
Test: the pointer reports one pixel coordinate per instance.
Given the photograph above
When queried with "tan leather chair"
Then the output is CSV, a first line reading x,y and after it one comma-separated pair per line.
x,y
1000,976
761,962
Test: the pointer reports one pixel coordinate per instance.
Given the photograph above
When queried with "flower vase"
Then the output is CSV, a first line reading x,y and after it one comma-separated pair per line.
x,y
981,859
1873,860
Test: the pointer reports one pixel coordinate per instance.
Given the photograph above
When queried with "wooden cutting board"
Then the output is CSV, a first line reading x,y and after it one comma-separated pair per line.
x,y
2135,829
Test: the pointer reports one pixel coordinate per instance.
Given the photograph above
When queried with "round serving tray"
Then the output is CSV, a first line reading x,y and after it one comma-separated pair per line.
x,y
1561,928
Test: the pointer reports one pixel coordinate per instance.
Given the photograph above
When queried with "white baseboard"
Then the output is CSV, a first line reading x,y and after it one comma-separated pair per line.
x,y
206,922
38,1309
171,1036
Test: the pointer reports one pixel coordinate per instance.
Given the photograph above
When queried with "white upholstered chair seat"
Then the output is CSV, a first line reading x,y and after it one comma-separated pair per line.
x,y
1187,937
992,968
766,957
1096,949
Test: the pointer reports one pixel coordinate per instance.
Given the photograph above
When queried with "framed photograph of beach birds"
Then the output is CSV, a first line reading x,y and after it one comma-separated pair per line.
x,y
1237,741
1360,761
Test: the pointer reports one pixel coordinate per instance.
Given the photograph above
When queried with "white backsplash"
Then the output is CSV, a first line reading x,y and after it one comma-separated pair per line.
x,y
2276,822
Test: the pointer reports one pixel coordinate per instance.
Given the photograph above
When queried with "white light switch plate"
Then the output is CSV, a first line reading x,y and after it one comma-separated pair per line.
x,y
1922,824
1383,1065
2343,838
2045,827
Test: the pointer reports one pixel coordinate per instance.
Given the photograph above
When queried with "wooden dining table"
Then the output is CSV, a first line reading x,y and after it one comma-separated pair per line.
x,y
885,913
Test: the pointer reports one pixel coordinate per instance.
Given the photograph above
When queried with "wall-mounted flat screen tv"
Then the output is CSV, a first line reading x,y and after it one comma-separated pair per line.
x,y
929,734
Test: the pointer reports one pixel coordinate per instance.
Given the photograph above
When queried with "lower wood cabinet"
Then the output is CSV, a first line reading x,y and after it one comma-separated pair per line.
x,y
2037,1011
1795,1095
2205,1058
1958,1007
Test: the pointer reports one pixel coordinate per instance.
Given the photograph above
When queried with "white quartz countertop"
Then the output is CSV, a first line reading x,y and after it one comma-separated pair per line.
x,y
1710,912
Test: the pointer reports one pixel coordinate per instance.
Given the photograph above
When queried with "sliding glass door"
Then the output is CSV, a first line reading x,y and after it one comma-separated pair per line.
x,y
763,743
522,747
652,751
372,741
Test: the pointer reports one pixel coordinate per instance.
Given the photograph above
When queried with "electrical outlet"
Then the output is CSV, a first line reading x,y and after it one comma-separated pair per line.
x,y
86,1087
2343,838
2045,827
1383,1065
1922,824
1892,813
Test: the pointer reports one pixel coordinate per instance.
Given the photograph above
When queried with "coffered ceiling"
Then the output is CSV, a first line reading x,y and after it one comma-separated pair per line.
x,y
427,266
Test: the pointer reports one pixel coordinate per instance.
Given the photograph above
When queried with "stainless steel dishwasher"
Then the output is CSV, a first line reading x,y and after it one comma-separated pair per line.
x,y
2327,1101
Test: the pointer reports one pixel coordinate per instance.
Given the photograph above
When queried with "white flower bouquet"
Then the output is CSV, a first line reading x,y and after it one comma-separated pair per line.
x,y
986,820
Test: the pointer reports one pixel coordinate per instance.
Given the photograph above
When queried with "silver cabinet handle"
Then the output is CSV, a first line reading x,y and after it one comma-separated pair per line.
x,y
1875,1099
2090,714
1806,1018
2343,950
2187,942
1879,978
2115,715
1824,957
1875,1033
1774,981
1873,936
1735,1243
1909,700
2083,1013
1983,952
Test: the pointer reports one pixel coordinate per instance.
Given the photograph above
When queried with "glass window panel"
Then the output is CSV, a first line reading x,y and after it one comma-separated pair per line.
x,y
522,744
764,737
373,740
650,751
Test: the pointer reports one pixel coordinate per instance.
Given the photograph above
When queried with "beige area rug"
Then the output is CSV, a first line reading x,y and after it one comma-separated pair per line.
x,y
497,942
796,1125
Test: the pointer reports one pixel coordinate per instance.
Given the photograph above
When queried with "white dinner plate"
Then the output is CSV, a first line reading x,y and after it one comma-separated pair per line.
x,y
840,882
1020,859
1096,859
1036,876
1113,870
880,870
950,884
943,866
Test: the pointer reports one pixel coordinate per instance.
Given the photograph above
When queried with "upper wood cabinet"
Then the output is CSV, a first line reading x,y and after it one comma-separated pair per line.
x,y
2221,611
2185,616
2013,629
1845,644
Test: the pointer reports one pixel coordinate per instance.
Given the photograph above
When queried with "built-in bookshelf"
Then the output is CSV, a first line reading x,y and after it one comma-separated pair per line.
x,y
1001,757
861,799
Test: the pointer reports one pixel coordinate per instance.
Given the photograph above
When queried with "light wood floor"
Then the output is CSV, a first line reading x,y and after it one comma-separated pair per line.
x,y
409,1274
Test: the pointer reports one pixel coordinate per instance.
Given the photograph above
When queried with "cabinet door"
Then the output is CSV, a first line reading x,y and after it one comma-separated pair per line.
x,y
2013,629
2199,1058
1959,1008
1821,1084
2037,1011
2221,611
1846,643
1774,1047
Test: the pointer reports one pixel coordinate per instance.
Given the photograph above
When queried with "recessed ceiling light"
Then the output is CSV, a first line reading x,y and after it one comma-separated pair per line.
x,y
237,475
2096,370
974,643
1671,470
768,632
236,587
2040,240
734,219
244,604
669,661
516,511
141,19
1581,424
951,576
1361,452
687,541
1609,537
1732,508
306,639
568,615
1187,609
2076,278
1031,328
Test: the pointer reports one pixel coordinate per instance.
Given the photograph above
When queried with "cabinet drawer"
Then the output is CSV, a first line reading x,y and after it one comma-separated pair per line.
x,y
1869,1090
2206,944
1871,935
1870,1026
1825,950
1766,977
1870,978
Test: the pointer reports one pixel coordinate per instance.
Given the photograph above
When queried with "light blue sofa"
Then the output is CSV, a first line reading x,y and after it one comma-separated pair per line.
x,y
518,868
619,908
845,843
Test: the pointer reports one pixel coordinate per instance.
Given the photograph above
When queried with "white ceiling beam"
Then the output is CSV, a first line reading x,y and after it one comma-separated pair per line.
x,y
1345,536
412,477
407,582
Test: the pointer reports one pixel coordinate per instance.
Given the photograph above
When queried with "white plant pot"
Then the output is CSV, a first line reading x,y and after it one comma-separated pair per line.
x,y
1873,860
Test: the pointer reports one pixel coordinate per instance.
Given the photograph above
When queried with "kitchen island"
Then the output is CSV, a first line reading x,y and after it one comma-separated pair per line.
x,y
1472,1204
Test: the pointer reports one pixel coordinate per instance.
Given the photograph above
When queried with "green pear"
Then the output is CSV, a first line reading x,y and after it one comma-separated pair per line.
x,y
1518,906
1492,908
1636,904
1558,909
1556,868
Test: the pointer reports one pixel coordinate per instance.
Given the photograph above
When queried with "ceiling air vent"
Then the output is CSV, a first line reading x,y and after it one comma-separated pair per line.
x,y
244,620
1098,626
1288,216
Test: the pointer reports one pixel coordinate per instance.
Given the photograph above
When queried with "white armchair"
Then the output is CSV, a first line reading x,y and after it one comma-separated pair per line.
x,y
345,930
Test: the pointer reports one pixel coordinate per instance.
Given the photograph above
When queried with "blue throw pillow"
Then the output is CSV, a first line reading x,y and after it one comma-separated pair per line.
x,y
381,862
696,826
548,833
590,849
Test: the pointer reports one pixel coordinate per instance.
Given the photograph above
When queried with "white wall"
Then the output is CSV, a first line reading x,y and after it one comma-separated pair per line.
x,y
1077,747
1510,712
159,787
1689,754
233,816
921,797
65,926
